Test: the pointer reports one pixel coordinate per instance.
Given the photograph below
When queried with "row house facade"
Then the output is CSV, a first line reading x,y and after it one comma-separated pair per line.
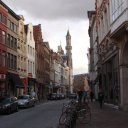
x,y
31,57
93,53
46,67
59,73
64,71
119,39
26,61
9,58
55,75
22,55
3,49
43,63
111,24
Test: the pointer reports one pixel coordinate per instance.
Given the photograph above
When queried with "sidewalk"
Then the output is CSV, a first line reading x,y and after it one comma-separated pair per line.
x,y
107,117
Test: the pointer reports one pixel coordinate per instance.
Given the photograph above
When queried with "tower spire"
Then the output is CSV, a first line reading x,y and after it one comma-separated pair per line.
x,y
68,33
68,49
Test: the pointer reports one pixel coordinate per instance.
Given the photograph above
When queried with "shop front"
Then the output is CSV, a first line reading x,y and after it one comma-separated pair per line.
x,y
31,85
14,84
2,85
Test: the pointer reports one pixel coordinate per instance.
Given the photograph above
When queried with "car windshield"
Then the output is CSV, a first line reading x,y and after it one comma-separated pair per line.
x,y
4,101
23,97
54,94
73,94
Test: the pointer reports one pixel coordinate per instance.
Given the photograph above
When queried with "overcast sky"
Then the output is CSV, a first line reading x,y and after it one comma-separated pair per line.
x,y
56,17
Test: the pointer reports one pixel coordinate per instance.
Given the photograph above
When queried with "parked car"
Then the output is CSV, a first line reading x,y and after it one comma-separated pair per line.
x,y
26,101
72,96
62,96
53,96
8,105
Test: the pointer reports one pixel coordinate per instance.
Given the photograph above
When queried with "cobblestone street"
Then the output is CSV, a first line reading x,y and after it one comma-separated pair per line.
x,y
107,117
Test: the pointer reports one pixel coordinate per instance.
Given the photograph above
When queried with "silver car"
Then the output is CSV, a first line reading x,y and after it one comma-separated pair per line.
x,y
26,101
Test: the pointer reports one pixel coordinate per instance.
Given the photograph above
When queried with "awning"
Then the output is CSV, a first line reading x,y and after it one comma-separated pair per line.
x,y
16,79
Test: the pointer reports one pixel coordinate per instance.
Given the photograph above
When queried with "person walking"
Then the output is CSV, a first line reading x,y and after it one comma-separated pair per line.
x,y
80,94
84,96
91,95
101,98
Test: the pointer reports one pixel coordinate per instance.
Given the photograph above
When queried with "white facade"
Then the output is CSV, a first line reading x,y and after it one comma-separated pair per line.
x,y
30,51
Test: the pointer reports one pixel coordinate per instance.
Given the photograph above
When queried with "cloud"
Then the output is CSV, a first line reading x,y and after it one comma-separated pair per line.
x,y
56,17
53,9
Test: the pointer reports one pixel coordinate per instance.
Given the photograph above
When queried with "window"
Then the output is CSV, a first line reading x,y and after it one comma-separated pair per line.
x,y
28,66
117,7
3,59
9,24
28,49
12,26
11,45
30,35
15,43
11,63
15,28
15,65
4,19
9,60
3,37
9,41
33,52
33,68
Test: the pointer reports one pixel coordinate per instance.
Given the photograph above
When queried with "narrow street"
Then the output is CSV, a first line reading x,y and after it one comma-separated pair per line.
x,y
46,115
43,115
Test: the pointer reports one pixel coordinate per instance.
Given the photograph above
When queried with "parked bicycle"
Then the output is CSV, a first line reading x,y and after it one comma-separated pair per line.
x,y
75,111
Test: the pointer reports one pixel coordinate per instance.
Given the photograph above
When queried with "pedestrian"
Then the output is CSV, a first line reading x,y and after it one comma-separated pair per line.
x,y
100,98
91,95
80,93
84,96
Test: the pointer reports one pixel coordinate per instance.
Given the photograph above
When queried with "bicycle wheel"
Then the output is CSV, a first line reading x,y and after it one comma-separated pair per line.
x,y
62,119
84,116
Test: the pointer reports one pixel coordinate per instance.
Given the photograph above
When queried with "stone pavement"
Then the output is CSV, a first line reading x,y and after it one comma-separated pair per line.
x,y
107,117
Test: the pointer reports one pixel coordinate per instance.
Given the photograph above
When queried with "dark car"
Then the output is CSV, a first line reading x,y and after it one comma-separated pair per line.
x,y
54,96
62,96
8,105
72,96
26,101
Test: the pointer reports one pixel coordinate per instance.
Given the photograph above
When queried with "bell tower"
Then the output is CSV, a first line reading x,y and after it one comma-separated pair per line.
x,y
68,50
69,60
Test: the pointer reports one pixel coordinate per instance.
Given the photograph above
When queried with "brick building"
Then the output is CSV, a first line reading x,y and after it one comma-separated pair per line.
x,y
3,49
13,80
40,59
